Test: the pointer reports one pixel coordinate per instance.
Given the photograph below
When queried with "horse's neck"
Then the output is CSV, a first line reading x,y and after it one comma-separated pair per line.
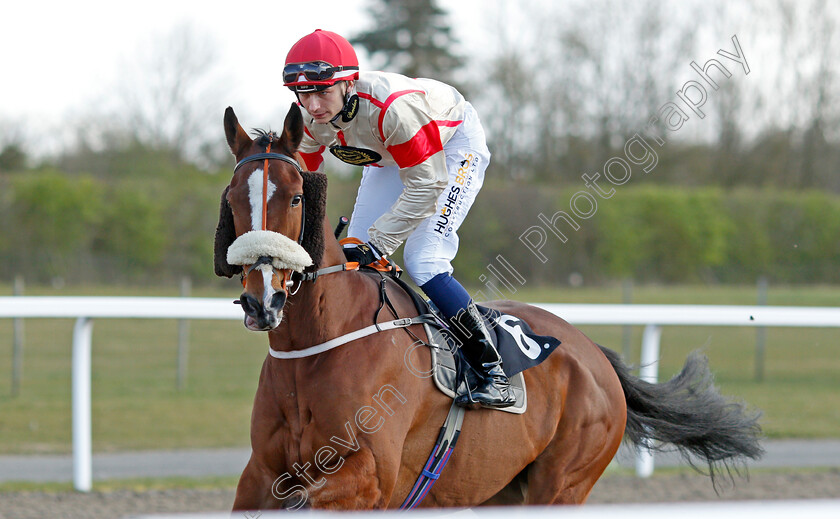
x,y
323,309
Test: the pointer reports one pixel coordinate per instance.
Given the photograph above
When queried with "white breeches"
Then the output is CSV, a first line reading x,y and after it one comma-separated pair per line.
x,y
430,249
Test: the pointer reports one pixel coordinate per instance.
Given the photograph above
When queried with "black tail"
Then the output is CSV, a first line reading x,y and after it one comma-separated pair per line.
x,y
689,413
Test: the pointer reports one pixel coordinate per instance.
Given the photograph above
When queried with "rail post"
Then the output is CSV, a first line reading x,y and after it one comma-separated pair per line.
x,y
760,332
649,372
627,330
17,343
82,457
183,340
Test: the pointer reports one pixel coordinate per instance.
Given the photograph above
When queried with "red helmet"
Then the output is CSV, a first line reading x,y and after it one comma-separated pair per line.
x,y
319,60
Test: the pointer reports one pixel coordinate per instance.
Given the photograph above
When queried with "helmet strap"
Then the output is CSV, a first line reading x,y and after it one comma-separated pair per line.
x,y
350,108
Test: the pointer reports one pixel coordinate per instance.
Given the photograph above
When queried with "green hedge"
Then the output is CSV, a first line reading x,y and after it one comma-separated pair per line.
x,y
131,229
83,228
662,234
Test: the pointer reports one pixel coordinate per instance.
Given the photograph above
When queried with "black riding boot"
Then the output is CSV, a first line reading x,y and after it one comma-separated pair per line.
x,y
490,386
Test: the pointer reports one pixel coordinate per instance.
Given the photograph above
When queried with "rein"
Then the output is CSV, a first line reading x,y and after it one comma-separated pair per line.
x,y
352,336
384,301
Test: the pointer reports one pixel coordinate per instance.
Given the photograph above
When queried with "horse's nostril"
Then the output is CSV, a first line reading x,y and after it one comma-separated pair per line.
x,y
278,300
249,304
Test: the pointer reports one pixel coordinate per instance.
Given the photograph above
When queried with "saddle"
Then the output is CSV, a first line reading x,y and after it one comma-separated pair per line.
x,y
447,363
518,346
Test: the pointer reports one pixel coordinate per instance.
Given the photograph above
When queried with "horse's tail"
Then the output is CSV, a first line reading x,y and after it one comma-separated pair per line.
x,y
689,413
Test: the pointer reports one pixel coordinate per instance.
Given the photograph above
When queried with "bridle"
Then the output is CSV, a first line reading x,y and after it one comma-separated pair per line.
x,y
299,277
265,157
290,277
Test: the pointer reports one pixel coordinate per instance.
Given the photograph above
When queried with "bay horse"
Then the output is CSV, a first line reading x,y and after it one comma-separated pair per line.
x,y
351,428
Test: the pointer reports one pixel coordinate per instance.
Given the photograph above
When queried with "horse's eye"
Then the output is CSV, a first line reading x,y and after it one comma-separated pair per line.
x,y
296,200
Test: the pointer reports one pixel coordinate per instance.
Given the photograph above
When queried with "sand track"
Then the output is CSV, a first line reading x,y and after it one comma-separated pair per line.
x,y
611,489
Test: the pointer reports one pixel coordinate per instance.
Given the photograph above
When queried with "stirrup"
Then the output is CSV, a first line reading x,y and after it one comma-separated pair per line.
x,y
489,387
473,398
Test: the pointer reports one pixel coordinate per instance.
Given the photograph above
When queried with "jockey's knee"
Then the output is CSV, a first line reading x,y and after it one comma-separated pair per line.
x,y
421,270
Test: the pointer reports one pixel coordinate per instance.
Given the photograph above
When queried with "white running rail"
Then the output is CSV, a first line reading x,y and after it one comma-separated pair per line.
x,y
800,509
652,317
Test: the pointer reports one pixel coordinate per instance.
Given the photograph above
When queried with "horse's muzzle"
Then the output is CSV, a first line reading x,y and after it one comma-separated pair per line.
x,y
258,316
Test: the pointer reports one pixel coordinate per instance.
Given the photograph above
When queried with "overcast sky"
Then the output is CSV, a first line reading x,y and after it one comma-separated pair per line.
x,y
63,62
58,57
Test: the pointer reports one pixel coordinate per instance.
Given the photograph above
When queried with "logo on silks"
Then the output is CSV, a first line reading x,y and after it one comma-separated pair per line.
x,y
355,156
451,206
351,108
518,345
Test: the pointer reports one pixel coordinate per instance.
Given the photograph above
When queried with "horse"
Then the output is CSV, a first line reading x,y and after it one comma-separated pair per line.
x,y
351,427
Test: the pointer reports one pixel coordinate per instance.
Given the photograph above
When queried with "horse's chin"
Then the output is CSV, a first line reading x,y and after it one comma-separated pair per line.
x,y
254,326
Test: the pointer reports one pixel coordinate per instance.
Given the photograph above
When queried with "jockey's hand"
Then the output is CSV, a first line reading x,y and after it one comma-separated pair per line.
x,y
363,253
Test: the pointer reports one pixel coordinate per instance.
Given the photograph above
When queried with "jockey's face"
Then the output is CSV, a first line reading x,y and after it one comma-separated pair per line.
x,y
326,104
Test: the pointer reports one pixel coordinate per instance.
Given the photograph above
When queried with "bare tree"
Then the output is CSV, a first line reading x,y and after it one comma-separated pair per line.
x,y
169,95
799,108
588,75
822,108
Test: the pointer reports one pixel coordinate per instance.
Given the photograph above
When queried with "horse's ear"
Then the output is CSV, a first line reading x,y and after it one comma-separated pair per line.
x,y
237,138
293,127
225,234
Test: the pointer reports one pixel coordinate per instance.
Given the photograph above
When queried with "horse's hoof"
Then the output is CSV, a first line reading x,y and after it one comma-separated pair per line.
x,y
295,502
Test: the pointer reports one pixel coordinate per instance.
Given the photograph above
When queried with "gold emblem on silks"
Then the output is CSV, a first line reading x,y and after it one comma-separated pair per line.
x,y
355,156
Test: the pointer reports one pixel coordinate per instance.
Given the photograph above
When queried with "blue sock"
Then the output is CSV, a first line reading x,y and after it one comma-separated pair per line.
x,y
447,294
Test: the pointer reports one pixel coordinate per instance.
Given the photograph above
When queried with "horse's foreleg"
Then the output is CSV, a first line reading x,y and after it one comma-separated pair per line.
x,y
355,486
254,489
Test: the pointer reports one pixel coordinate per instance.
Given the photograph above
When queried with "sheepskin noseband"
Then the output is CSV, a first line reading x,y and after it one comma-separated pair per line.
x,y
284,252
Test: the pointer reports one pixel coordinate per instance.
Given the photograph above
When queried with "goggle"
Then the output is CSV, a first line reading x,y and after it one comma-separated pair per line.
x,y
312,71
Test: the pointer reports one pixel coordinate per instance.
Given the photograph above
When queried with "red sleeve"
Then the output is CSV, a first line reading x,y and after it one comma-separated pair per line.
x,y
425,143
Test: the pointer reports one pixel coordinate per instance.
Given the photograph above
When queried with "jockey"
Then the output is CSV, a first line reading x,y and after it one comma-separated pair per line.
x,y
424,155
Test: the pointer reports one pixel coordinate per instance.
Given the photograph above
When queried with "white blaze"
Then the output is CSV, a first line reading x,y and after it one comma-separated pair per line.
x,y
268,290
255,193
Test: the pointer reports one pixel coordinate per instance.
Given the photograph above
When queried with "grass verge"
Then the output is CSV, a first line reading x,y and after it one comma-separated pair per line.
x,y
136,404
